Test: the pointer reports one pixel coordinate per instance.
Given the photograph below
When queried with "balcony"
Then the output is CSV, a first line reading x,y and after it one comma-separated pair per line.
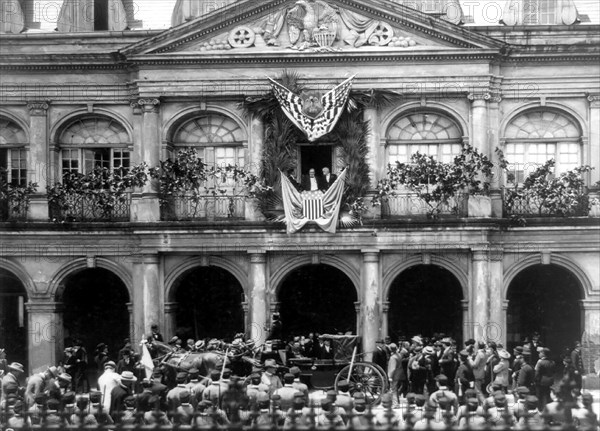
x,y
11,210
403,205
91,208
536,207
208,207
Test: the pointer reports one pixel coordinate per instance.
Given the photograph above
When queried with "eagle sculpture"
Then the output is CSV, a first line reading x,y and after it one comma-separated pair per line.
x,y
314,115
305,18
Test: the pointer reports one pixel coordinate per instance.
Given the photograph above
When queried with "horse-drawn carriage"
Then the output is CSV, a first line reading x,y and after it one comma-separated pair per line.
x,y
346,365
320,374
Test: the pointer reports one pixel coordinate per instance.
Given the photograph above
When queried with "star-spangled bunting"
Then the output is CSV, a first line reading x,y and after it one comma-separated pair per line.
x,y
333,103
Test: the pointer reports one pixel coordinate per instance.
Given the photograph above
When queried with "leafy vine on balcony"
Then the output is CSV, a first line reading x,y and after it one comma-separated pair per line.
x,y
437,183
544,193
104,187
14,198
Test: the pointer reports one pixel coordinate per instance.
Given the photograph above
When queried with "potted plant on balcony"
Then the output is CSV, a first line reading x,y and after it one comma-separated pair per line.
x,y
543,193
442,185
14,198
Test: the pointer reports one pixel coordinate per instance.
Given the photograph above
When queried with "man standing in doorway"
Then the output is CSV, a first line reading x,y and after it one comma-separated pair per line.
x,y
328,178
311,182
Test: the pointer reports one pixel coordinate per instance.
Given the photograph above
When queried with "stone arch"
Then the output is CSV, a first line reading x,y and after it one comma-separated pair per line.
x,y
279,275
9,116
442,262
550,106
436,107
195,261
57,128
182,116
21,273
57,283
558,260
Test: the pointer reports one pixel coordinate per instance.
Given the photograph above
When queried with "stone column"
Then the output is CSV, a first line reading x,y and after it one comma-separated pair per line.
x,y
370,314
254,159
375,156
467,329
479,120
45,327
496,328
149,298
480,298
170,319
493,143
591,333
594,141
38,163
257,301
145,205
385,315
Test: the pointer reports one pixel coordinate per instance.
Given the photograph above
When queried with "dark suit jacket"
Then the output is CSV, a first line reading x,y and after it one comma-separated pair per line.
x,y
306,183
327,184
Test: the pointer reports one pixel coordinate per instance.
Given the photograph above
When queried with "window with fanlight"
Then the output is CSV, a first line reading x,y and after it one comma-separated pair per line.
x,y
534,137
218,139
429,133
91,142
13,155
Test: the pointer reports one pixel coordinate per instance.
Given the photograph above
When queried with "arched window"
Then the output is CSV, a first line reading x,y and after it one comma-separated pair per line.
x,y
218,139
13,156
94,141
534,137
426,132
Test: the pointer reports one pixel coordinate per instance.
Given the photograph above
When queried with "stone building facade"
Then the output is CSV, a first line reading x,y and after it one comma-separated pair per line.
x,y
72,100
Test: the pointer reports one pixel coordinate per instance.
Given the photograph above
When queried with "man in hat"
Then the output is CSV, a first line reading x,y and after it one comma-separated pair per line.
x,y
443,391
464,379
380,356
80,359
286,392
269,378
173,400
155,334
96,409
214,391
126,363
448,360
498,416
37,383
418,370
477,362
519,408
526,377
194,386
107,382
544,377
577,365
517,362
501,369
298,385
11,378
118,394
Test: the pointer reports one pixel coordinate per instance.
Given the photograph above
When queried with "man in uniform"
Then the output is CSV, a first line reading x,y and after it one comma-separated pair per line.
x,y
11,379
269,378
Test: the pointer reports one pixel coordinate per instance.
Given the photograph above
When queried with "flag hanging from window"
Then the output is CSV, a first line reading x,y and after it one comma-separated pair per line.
x,y
315,116
316,206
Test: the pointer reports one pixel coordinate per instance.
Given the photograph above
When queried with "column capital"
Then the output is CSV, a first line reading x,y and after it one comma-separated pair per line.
x,y
370,255
149,105
594,100
38,108
146,259
496,254
479,97
44,306
480,254
257,256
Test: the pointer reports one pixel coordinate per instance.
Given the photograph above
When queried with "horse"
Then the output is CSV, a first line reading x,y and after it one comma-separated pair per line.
x,y
239,360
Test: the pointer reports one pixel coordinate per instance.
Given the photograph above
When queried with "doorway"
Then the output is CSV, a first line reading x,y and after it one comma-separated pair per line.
x,y
315,156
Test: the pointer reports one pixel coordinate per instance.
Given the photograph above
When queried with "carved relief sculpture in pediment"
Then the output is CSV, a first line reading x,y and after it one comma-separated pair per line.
x,y
313,25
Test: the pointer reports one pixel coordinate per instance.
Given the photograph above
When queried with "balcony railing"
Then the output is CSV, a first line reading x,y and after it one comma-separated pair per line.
x,y
209,207
11,210
410,205
91,208
528,207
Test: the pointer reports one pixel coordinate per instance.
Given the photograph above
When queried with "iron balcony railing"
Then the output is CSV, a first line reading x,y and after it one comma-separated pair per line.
x,y
11,210
406,204
208,207
91,208
536,207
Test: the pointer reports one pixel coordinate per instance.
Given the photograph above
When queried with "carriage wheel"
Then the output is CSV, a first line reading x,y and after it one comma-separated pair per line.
x,y
367,378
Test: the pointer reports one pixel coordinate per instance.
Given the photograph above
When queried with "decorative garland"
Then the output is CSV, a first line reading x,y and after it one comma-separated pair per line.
x,y
350,133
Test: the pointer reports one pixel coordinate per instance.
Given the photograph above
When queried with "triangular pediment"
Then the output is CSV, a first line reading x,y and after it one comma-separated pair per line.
x,y
249,27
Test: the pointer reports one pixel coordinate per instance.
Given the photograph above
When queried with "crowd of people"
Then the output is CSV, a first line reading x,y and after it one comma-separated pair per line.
x,y
433,385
